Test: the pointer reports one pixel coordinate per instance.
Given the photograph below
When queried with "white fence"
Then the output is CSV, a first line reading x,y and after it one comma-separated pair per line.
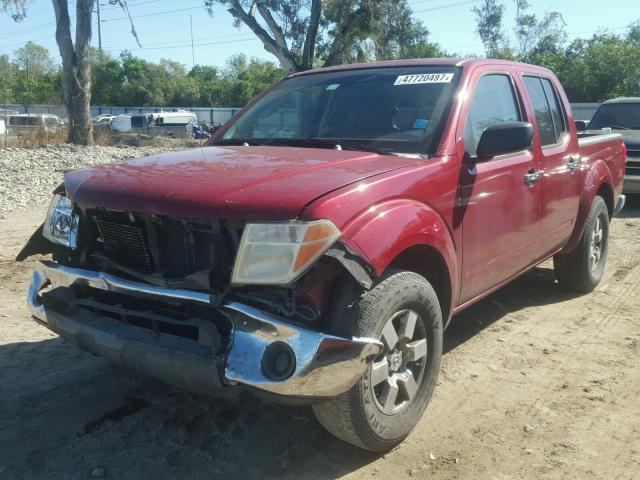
x,y
204,114
581,111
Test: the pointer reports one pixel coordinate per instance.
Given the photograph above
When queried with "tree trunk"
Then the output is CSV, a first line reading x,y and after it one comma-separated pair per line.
x,y
77,99
76,68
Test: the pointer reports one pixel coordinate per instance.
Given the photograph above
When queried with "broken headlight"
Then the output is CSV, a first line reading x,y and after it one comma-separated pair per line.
x,y
278,253
61,224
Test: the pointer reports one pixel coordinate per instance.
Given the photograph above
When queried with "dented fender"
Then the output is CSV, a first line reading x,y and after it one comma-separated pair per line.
x,y
386,230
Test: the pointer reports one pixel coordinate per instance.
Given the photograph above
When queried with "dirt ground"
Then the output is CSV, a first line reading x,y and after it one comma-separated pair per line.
x,y
536,383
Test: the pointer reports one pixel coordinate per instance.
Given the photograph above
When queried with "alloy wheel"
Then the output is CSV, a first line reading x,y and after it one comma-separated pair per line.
x,y
397,372
596,245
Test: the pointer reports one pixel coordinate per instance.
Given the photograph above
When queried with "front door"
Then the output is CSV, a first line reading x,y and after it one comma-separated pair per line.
x,y
499,204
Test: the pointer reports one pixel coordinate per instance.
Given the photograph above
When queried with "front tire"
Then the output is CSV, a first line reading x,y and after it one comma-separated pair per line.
x,y
582,269
384,406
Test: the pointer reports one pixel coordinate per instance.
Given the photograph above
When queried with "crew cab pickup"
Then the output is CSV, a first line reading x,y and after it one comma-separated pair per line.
x,y
621,115
317,247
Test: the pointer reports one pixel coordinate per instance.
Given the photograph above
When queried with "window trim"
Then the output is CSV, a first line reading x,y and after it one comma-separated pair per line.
x,y
562,138
519,101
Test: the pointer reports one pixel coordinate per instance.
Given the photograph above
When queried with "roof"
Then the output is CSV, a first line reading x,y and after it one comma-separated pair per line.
x,y
623,100
417,62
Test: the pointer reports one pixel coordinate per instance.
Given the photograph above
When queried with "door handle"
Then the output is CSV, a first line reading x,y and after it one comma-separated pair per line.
x,y
573,162
532,177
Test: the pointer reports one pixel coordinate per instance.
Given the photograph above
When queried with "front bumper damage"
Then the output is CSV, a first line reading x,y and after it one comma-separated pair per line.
x,y
323,365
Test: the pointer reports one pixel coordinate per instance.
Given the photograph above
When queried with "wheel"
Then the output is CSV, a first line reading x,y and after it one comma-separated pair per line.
x,y
581,270
384,406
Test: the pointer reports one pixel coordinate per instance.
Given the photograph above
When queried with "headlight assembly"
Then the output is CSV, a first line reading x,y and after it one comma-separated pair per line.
x,y
278,253
61,224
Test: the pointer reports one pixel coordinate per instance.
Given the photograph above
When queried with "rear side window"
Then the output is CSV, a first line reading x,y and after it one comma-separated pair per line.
x,y
494,102
551,121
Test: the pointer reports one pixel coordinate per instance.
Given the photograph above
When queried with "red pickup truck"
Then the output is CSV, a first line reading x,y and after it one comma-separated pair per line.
x,y
316,249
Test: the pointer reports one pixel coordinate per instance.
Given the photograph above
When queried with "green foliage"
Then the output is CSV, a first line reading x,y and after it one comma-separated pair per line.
x,y
489,27
303,34
31,77
591,70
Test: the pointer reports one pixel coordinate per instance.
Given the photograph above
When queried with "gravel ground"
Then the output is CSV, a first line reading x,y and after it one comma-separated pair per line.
x,y
28,176
537,383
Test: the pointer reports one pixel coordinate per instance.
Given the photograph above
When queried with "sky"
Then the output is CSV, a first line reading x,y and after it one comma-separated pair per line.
x,y
164,27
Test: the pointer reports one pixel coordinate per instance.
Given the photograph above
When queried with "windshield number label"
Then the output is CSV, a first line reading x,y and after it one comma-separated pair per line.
x,y
424,78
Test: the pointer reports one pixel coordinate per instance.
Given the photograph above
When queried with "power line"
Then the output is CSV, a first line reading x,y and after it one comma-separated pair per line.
x,y
253,38
185,40
27,30
129,4
24,43
442,7
152,14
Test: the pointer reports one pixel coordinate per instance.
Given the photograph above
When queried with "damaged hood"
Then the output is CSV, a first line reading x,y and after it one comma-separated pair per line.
x,y
269,183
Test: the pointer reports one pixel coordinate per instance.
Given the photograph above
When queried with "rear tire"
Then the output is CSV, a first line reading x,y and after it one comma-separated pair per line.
x,y
384,406
582,269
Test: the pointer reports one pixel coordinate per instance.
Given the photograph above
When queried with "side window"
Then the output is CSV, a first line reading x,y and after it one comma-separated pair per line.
x,y
493,102
551,122
557,114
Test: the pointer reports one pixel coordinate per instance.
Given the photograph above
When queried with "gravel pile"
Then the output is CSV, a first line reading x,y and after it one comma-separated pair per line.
x,y
28,176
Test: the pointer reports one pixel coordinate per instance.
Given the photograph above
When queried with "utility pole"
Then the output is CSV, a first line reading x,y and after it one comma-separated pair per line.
x,y
99,28
193,54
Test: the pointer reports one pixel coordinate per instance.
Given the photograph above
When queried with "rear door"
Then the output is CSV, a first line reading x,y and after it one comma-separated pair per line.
x,y
498,210
561,180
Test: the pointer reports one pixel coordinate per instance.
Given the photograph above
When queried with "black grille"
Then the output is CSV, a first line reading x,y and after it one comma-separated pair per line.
x,y
633,162
125,245
174,248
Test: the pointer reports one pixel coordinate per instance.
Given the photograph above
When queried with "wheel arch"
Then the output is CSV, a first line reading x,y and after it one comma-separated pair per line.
x,y
427,261
409,235
605,190
598,182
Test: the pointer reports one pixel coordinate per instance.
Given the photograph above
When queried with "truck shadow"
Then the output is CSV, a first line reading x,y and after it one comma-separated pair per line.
x,y
537,287
66,413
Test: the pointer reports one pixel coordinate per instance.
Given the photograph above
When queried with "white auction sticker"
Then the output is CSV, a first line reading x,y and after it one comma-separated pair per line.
x,y
424,78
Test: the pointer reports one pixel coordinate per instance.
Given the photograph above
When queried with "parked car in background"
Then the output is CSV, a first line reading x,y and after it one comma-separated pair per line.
x,y
177,124
316,249
103,119
5,111
121,123
27,123
622,115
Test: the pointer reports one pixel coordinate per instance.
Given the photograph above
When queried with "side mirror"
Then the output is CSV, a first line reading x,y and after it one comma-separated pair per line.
x,y
581,125
504,138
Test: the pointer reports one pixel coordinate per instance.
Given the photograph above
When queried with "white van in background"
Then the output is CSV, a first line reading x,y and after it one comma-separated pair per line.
x,y
24,123
121,123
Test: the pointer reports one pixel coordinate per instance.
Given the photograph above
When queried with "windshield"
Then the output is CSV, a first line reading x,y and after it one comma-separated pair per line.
x,y
619,116
392,110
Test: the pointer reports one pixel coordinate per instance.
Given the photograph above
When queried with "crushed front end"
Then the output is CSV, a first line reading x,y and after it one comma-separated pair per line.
x,y
170,297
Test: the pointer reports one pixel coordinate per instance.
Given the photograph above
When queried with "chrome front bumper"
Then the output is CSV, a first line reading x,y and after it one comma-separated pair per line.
x,y
325,365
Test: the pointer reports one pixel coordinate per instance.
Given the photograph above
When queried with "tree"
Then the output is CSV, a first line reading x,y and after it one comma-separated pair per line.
x,y
34,58
489,19
6,80
107,77
302,34
76,65
535,34
76,69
